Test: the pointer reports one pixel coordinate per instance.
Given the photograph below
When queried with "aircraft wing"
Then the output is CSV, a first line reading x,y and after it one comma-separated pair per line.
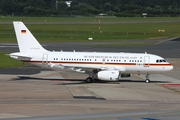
x,y
84,69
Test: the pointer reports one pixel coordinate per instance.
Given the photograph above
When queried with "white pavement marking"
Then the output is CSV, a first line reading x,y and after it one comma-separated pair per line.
x,y
6,115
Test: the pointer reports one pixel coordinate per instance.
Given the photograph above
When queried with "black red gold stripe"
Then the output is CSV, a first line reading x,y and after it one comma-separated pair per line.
x,y
97,63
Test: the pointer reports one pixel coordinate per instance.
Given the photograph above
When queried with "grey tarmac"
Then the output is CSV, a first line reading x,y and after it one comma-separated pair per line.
x,y
66,96
33,93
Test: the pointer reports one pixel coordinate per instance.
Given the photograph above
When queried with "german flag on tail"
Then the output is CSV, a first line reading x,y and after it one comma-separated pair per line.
x,y
23,31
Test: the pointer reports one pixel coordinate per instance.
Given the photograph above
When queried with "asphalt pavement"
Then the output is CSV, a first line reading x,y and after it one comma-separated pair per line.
x,y
29,98
166,48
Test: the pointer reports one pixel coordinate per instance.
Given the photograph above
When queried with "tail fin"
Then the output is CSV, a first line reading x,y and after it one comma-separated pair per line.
x,y
26,41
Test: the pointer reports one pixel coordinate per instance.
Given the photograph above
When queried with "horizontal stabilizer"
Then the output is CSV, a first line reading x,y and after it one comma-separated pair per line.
x,y
20,56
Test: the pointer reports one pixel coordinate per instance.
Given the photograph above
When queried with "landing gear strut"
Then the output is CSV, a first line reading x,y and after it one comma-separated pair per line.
x,y
147,78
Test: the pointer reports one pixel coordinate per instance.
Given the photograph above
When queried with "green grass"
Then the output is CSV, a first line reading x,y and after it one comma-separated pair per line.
x,y
86,19
130,29
7,62
79,32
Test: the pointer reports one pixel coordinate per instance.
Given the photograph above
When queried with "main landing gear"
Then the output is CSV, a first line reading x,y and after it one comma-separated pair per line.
x,y
89,80
147,78
91,77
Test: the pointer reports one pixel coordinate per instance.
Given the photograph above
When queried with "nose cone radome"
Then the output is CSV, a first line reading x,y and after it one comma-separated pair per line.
x,y
170,67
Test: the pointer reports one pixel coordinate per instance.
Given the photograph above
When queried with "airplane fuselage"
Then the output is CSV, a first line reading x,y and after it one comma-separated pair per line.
x,y
126,62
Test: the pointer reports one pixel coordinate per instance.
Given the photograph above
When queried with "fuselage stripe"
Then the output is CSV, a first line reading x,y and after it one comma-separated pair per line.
x,y
98,63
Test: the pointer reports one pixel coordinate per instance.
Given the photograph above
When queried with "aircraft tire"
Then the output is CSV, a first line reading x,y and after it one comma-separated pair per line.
x,y
89,80
147,81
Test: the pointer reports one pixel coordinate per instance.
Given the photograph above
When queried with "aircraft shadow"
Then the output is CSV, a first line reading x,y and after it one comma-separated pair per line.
x,y
82,81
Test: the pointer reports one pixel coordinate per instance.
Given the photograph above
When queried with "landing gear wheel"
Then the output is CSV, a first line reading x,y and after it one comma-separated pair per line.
x,y
89,80
147,80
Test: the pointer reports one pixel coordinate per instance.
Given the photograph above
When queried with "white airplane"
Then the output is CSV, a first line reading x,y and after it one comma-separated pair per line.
x,y
99,65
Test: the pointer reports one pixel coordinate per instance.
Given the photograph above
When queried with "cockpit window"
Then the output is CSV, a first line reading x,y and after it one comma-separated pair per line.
x,y
160,61
164,61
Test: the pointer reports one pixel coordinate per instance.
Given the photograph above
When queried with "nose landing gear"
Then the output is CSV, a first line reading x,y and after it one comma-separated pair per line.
x,y
147,78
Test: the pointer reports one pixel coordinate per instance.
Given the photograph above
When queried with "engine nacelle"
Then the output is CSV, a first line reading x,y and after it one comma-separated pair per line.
x,y
108,75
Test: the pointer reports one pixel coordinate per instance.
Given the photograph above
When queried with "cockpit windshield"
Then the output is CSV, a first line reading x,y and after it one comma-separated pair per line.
x,y
160,61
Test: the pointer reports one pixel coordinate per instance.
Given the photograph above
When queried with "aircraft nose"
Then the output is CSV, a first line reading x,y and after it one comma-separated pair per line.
x,y
170,67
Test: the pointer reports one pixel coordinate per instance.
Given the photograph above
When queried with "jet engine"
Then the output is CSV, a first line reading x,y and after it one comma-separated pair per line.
x,y
110,75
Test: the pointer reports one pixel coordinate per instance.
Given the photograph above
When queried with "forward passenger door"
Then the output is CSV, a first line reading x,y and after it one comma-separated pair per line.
x,y
146,61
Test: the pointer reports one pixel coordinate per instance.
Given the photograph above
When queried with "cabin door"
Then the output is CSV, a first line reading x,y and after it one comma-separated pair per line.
x,y
45,58
146,61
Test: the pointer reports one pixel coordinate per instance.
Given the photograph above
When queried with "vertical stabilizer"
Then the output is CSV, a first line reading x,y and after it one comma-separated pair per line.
x,y
26,41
